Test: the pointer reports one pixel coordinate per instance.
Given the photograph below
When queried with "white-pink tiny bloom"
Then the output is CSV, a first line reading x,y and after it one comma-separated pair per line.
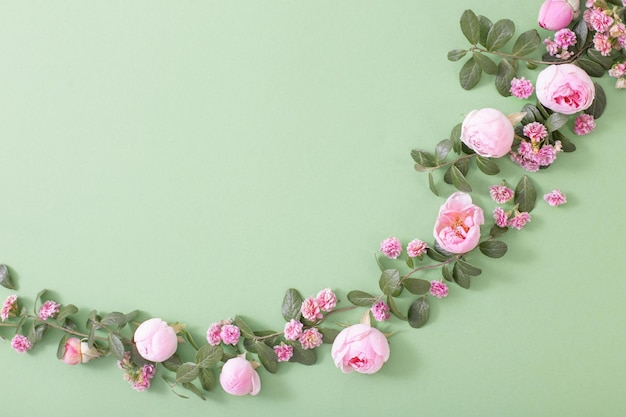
x,y
230,334
283,352
438,289
48,310
584,124
555,198
519,220
311,310
293,329
310,338
9,308
391,247
500,216
565,38
535,131
326,299
416,248
521,88
21,344
501,193
213,334
380,311
602,43
599,20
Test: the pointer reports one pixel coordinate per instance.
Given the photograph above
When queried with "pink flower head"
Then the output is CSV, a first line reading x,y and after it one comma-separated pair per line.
x,y
48,310
500,193
230,334
213,334
238,377
311,310
457,229
416,248
155,340
535,131
557,14
602,43
520,220
21,343
72,354
438,289
488,132
326,299
501,218
565,38
9,308
599,20
555,198
584,124
146,373
565,88
391,247
618,70
310,338
293,329
380,311
521,88
283,351
360,348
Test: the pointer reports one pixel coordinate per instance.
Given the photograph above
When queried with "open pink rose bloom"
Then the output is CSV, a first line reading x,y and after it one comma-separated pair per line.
x,y
155,340
457,229
565,88
360,348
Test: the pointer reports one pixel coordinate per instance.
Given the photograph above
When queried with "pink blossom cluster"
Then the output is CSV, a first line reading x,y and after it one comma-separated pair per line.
x,y
309,338
438,289
521,88
531,158
138,377
223,332
555,198
514,219
535,131
584,124
500,193
619,71
313,308
9,308
610,31
21,343
380,311
48,310
392,248
559,47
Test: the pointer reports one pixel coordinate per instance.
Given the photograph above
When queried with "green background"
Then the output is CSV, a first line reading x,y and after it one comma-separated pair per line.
x,y
195,159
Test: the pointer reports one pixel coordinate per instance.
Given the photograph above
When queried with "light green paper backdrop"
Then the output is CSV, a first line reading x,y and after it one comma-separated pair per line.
x,y
196,159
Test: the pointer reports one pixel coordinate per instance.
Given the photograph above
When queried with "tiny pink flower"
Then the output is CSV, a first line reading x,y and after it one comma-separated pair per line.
x,y
535,131
438,289
9,308
565,38
326,299
551,46
293,329
21,343
599,20
500,193
602,43
48,309
391,247
501,218
311,310
310,338
546,155
213,334
584,124
230,334
380,311
520,220
527,164
283,351
142,381
555,198
521,88
416,248
618,70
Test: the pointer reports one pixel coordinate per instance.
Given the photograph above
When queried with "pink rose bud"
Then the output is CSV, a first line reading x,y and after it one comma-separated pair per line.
x,y
457,229
238,377
565,88
360,348
557,14
72,354
488,132
155,340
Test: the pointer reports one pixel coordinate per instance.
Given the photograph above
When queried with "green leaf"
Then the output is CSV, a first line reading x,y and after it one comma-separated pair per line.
x,y
267,356
187,372
532,114
39,299
172,363
393,307
191,387
497,231
463,165
470,26
209,356
361,298
592,68
485,63
61,348
443,149
556,121
525,195
468,268
487,166
65,312
303,356
207,379
419,312
328,335
596,56
424,158
506,72
436,255
114,319
131,316
116,347
581,31
493,248
566,143
470,74
456,54
599,103
5,277
416,286
485,27
292,303
501,32
37,332
455,138
390,282
245,330
458,180
446,274
92,319
527,43
433,189
460,277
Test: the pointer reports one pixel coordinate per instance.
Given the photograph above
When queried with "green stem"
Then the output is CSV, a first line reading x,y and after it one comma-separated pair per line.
x,y
438,265
339,310
454,161
571,59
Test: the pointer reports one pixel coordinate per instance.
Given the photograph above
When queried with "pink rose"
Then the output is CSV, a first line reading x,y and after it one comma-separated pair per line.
x,y
360,348
557,14
488,132
457,229
565,88
77,352
155,340
238,377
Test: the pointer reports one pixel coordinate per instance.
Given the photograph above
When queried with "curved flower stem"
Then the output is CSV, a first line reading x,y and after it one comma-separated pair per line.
x,y
339,310
454,161
438,265
260,338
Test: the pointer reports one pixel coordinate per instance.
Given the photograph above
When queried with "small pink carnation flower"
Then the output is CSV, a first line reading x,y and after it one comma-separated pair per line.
x,y
311,310
48,309
9,308
602,43
535,131
391,247
584,124
555,198
21,343
213,334
230,334
599,20
501,218
293,329
416,248
500,193
326,299
380,311
283,351
438,289
521,88
142,382
565,38
520,220
310,338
